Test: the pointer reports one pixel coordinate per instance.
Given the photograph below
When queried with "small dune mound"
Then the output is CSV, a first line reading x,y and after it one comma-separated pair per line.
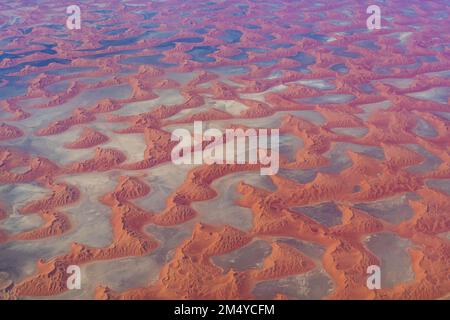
x,y
88,138
8,132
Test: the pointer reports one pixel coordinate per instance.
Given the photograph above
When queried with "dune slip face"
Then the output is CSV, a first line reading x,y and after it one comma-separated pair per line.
x,y
93,206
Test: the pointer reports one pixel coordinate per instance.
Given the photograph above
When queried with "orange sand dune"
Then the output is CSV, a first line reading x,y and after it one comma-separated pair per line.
x,y
79,116
37,166
105,105
88,138
104,159
62,195
369,109
55,224
129,240
9,132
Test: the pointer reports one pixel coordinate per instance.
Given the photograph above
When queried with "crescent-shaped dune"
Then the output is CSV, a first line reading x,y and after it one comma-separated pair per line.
x,y
86,170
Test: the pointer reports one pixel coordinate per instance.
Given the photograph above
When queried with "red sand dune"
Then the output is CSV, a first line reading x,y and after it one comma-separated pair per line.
x,y
105,105
61,195
88,138
55,224
8,132
281,77
79,116
104,159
